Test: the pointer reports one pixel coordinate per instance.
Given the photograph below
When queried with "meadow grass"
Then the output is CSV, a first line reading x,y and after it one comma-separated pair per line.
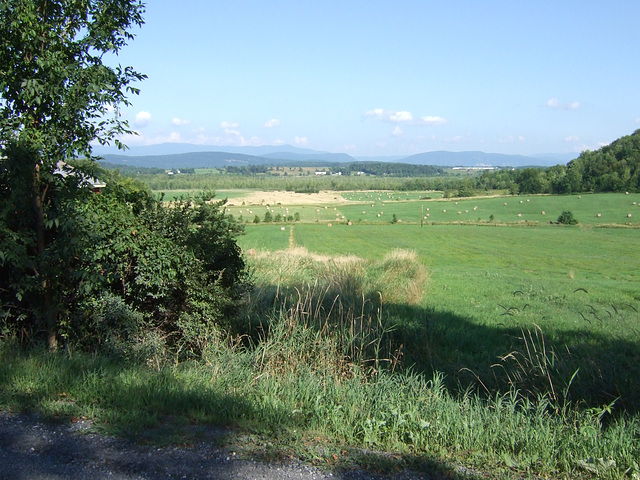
x,y
296,393
513,349
412,207
487,284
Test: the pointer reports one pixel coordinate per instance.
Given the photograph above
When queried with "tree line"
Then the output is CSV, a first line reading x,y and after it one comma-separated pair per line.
x,y
612,168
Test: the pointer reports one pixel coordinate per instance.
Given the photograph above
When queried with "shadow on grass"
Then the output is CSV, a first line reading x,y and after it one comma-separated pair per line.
x,y
495,358
584,367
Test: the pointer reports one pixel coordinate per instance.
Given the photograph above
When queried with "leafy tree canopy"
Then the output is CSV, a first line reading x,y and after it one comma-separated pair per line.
x,y
94,269
57,96
612,168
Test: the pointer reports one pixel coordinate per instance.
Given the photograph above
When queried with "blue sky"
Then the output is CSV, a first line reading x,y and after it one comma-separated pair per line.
x,y
388,77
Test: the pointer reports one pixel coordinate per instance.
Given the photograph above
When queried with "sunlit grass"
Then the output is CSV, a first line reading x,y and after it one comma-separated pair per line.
x,y
513,349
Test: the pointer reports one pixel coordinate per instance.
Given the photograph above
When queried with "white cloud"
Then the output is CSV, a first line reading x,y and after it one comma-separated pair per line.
x,y
300,141
389,115
556,104
178,122
141,139
274,122
572,138
397,132
430,120
143,119
375,113
553,103
227,125
638,120
403,116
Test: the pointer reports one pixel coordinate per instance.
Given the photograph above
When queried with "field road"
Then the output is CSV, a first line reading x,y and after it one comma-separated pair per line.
x,y
33,450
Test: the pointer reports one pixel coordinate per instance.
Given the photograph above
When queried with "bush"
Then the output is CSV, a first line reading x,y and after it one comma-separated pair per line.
x,y
128,268
567,218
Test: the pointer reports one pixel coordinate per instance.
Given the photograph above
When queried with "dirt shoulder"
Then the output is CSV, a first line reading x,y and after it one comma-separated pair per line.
x,y
31,449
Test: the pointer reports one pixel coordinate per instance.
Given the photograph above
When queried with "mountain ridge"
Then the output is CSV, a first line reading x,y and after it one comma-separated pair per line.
x,y
175,155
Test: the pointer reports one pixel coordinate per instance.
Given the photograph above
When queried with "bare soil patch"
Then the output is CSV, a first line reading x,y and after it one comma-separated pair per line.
x,y
288,198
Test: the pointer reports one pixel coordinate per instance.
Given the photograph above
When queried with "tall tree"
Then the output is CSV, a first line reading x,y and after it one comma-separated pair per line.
x,y
58,94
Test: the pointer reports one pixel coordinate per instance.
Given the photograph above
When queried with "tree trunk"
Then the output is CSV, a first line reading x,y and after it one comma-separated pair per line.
x,y
48,315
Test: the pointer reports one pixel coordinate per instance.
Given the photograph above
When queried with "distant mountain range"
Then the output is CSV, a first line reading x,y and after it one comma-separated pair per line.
x,y
176,155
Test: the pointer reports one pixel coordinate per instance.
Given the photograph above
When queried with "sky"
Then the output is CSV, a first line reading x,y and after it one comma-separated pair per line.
x,y
382,77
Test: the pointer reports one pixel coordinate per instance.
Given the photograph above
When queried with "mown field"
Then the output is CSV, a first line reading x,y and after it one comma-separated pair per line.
x,y
499,342
410,207
490,282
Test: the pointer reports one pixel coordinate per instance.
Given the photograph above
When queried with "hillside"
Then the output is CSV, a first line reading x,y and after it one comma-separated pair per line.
x,y
612,168
474,159
189,160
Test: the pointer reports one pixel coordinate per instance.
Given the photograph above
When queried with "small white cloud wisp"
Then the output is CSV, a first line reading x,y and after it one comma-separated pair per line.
x,y
403,116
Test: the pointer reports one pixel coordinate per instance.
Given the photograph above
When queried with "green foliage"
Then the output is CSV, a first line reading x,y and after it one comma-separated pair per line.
x,y
612,168
57,98
176,270
567,218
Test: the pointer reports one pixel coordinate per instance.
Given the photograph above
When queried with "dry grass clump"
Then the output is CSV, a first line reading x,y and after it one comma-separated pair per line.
x,y
399,277
334,308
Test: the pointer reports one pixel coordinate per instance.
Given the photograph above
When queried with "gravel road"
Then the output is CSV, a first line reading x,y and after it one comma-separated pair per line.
x,y
33,450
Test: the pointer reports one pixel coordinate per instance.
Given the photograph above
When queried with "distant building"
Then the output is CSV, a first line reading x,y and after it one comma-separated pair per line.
x,y
64,170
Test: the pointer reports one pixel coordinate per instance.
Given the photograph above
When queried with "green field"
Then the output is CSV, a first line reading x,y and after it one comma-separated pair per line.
x,y
511,345
489,282
379,207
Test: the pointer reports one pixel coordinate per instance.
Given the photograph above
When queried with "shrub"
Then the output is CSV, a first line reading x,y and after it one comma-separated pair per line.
x,y
567,218
126,266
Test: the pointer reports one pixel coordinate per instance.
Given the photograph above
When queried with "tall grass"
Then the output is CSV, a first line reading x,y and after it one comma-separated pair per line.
x,y
339,353
295,391
344,294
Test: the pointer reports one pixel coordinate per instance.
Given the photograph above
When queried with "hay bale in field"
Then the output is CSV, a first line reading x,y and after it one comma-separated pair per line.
x,y
599,215
282,229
